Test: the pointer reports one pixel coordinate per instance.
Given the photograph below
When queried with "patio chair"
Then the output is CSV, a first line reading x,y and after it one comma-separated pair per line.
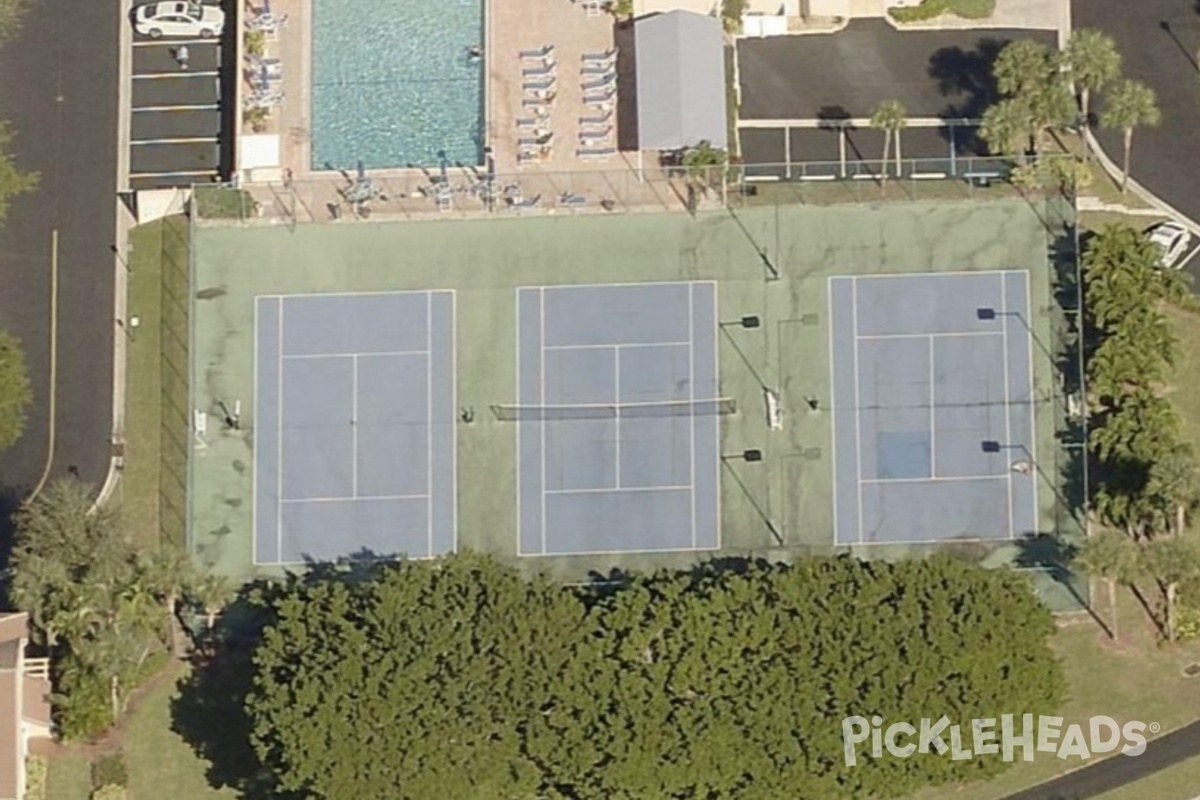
x,y
548,83
594,97
596,69
607,55
571,199
600,83
602,133
544,139
545,69
541,52
599,119
596,152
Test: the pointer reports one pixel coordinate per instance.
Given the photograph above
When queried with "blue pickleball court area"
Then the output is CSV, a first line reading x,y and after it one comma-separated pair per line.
x,y
617,418
354,426
933,407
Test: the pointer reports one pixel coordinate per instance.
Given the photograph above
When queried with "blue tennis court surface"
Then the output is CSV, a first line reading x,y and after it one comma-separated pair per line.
x,y
354,426
617,425
933,407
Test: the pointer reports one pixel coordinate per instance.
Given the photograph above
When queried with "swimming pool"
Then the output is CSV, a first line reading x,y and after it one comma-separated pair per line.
x,y
393,83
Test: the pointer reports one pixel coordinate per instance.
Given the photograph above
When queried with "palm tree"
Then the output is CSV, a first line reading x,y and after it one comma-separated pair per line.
x,y
1110,556
1171,562
1176,480
1092,61
213,593
1021,66
1130,104
701,159
889,117
1006,127
169,573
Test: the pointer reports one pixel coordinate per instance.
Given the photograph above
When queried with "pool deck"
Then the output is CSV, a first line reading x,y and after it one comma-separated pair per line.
x,y
563,24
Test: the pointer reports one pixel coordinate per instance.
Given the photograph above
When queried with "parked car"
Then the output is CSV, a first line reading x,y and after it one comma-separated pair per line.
x,y
1173,240
178,20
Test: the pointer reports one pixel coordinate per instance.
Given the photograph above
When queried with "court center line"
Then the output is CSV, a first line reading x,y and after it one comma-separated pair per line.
x,y
617,419
932,412
359,355
1033,438
692,421
935,335
354,427
355,498
857,407
623,344
621,490
542,388
943,479
429,421
1008,442
279,440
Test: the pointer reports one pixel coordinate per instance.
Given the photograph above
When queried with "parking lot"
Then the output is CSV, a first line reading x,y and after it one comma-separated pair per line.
x,y
178,124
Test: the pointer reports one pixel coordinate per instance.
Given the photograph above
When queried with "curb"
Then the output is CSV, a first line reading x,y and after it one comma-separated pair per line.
x,y
120,257
1141,191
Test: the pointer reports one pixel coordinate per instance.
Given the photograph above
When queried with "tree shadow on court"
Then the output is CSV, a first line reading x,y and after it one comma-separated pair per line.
x,y
965,78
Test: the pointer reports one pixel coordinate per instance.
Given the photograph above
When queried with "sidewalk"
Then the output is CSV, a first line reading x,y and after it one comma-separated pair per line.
x,y
1026,14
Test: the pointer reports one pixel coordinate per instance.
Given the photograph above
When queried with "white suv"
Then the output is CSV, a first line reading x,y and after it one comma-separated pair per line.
x,y
1173,240
178,19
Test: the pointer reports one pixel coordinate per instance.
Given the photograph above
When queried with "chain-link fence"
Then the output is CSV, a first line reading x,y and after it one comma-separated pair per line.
x,y
465,192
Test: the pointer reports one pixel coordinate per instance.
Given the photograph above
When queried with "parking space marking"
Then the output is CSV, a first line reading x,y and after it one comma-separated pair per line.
x,y
189,174
181,140
175,42
205,107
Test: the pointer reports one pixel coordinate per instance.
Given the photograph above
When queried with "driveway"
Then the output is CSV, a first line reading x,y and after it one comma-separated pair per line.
x,y
943,74
60,93
1162,56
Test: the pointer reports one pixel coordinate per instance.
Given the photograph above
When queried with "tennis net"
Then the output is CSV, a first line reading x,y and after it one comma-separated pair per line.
x,y
680,408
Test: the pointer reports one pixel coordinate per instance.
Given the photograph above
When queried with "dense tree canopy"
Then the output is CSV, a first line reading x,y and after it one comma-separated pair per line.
x,y
15,391
463,680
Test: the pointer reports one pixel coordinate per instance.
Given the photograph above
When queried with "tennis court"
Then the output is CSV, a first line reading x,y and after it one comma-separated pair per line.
x,y
933,407
354,438
617,418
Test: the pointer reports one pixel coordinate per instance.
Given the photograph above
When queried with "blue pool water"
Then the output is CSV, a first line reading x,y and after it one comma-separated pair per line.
x,y
392,83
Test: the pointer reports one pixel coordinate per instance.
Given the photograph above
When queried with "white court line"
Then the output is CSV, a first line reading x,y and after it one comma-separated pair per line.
x,y
630,345
279,440
857,408
716,423
1008,442
356,498
519,394
453,423
1033,437
943,479
932,274
542,387
568,287
321,295
586,553
360,355
833,432
257,459
958,334
621,490
429,421
932,412
354,427
617,419
691,344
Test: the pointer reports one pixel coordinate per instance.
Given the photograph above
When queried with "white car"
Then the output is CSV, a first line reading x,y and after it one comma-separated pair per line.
x,y
178,20
1173,240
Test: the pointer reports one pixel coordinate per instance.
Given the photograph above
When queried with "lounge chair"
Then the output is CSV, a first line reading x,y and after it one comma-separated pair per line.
x,y
599,119
548,83
531,122
595,96
540,52
607,55
571,199
538,101
529,202
534,141
596,133
596,69
600,83
596,152
545,69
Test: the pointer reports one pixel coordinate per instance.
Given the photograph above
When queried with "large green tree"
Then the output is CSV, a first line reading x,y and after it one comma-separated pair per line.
x,y
1110,556
1129,105
1171,561
15,390
461,679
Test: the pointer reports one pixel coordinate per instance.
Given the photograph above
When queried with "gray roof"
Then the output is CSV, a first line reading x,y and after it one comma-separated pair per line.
x,y
680,81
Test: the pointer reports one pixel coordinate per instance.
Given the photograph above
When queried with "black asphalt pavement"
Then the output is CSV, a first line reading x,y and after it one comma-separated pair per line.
x,y
1114,772
933,73
1158,40
59,91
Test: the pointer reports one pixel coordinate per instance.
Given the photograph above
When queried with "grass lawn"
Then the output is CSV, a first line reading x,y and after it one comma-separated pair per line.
x,y
1180,782
1186,392
68,777
153,490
